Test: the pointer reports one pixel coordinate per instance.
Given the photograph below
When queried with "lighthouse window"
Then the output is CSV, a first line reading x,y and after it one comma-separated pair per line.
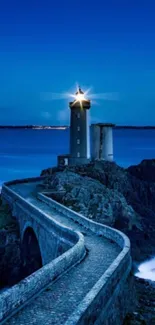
x,y
78,154
78,128
78,115
78,141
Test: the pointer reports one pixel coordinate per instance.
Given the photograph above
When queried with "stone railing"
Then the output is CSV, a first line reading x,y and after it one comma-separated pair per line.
x,y
15,201
25,290
100,306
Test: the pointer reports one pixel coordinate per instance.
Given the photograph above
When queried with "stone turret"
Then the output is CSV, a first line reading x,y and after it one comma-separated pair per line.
x,y
102,141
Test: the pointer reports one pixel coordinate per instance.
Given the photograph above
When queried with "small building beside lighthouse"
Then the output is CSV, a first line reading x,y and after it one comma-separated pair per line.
x,y
102,141
79,129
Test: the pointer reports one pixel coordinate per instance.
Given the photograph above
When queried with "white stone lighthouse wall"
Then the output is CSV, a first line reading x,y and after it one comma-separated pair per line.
x,y
101,142
95,141
107,144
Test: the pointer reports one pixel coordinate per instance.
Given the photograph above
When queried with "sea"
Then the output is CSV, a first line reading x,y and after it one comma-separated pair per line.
x,y
25,152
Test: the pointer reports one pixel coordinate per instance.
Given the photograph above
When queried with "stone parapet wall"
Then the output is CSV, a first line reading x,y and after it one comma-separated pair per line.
x,y
104,304
16,202
21,293
26,289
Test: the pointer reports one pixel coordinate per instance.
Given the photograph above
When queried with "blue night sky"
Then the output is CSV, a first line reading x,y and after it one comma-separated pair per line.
x,y
49,46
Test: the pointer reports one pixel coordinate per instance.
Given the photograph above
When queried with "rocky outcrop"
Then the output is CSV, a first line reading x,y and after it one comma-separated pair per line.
x,y
145,171
112,195
10,262
144,311
91,198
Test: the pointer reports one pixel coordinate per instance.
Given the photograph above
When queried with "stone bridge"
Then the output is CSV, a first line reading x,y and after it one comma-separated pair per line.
x,y
81,269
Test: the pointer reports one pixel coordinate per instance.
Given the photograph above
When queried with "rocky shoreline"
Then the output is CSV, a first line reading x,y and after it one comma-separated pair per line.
x,y
121,198
144,312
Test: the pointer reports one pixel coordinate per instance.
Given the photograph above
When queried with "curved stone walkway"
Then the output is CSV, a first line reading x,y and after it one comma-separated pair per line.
x,y
56,303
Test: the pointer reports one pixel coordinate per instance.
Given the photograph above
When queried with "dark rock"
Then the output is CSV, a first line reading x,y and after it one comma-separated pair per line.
x,y
112,195
145,308
144,171
10,253
91,198
10,250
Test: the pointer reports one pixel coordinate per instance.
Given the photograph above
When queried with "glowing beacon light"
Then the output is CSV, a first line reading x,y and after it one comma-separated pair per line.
x,y
79,99
80,95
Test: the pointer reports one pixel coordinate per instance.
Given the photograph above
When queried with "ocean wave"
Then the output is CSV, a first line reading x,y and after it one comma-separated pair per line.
x,y
146,270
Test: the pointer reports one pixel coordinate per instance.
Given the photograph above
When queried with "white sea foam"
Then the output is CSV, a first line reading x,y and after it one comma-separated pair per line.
x,y
146,270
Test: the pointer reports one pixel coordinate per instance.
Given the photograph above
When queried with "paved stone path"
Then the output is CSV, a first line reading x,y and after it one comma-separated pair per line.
x,y
59,300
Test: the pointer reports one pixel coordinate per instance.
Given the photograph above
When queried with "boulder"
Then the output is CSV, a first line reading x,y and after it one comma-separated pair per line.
x,y
145,171
110,194
10,253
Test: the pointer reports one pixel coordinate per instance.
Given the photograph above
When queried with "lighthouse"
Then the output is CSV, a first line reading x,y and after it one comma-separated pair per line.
x,y
101,135
79,129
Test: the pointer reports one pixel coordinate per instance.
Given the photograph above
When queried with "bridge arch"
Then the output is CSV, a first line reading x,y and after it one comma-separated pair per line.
x,y
31,253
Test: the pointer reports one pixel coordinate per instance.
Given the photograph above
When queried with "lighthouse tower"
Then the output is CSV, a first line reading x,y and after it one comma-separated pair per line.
x,y
79,129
